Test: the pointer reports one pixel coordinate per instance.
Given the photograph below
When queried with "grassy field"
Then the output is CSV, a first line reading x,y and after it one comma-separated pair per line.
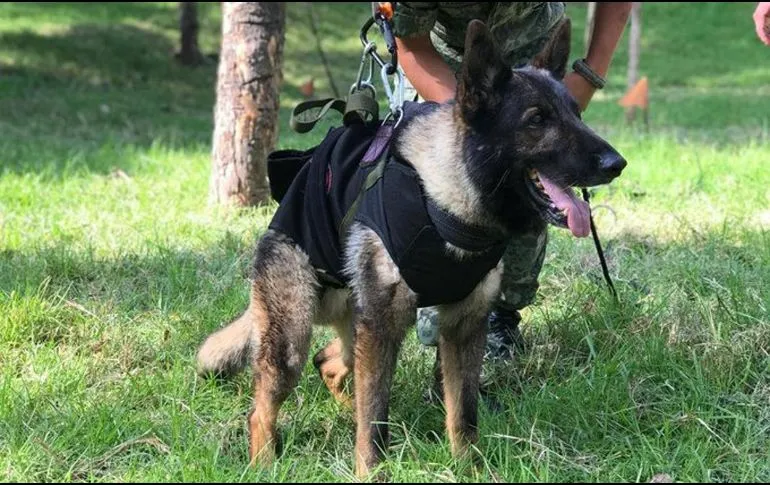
x,y
113,269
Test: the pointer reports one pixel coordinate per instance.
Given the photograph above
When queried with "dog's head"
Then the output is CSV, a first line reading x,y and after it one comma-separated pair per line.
x,y
526,125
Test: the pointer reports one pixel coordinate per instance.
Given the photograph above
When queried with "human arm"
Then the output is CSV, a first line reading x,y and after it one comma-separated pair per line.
x,y
430,75
426,70
609,22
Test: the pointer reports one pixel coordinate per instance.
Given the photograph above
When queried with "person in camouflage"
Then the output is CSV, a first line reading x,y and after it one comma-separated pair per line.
x,y
430,39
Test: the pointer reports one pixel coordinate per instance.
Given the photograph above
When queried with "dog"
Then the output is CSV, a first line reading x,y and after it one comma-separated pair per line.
x,y
500,159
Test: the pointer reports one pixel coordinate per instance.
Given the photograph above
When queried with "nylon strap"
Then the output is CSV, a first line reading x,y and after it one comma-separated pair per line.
x,y
369,182
359,108
307,113
461,234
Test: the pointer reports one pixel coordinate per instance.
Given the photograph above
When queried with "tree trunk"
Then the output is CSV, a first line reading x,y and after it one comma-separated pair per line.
x,y
590,14
189,53
634,50
246,112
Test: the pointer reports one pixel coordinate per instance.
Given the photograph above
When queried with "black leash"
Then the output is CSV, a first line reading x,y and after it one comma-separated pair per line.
x,y
599,251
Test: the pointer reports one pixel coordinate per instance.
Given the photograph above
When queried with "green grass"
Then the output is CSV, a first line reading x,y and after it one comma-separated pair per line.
x,y
113,269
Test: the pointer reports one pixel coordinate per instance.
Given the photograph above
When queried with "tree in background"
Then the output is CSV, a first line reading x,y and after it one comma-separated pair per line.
x,y
246,112
189,53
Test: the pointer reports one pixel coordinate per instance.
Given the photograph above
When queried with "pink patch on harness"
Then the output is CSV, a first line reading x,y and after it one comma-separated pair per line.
x,y
328,179
379,143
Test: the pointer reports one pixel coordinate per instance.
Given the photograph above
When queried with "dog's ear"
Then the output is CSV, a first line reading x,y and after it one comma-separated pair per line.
x,y
483,74
555,54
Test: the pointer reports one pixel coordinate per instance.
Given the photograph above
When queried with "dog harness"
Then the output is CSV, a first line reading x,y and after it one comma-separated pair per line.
x,y
353,176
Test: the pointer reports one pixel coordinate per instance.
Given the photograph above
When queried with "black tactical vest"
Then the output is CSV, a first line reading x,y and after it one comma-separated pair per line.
x,y
341,181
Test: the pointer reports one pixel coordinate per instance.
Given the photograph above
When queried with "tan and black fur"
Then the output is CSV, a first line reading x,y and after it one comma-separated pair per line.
x,y
471,156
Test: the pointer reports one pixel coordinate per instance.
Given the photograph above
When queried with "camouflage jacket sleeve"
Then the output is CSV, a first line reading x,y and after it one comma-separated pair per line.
x,y
414,18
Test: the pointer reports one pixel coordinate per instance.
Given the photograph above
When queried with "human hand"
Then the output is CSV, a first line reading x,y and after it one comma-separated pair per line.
x,y
762,22
579,88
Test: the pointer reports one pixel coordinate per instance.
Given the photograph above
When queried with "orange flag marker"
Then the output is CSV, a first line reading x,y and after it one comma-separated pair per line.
x,y
637,95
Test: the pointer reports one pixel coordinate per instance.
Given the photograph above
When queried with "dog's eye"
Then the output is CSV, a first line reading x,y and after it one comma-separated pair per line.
x,y
536,120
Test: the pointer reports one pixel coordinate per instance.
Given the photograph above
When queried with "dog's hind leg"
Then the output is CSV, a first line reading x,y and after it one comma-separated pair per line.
x,y
283,303
462,334
384,309
335,361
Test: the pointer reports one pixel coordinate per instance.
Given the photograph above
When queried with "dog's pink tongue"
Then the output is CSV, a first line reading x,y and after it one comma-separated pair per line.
x,y
578,211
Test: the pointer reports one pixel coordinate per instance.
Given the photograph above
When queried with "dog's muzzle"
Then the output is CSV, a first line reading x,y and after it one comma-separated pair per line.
x,y
558,205
542,202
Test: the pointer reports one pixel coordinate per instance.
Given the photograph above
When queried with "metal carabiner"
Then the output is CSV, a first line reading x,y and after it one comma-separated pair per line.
x,y
400,78
399,115
395,100
364,86
371,64
365,58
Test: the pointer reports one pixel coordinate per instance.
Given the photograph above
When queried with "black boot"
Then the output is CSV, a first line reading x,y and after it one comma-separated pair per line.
x,y
504,339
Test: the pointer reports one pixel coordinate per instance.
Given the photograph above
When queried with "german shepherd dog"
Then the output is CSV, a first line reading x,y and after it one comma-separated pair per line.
x,y
503,155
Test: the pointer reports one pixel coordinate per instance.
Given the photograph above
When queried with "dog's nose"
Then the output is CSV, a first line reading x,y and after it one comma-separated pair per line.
x,y
611,163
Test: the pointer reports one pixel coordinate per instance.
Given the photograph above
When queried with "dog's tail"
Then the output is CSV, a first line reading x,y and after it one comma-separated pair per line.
x,y
226,351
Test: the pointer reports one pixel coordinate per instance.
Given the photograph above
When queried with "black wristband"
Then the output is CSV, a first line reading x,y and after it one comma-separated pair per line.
x,y
581,67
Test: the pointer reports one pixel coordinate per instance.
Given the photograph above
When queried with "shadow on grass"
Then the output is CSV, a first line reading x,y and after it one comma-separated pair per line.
x,y
100,55
92,92
100,85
